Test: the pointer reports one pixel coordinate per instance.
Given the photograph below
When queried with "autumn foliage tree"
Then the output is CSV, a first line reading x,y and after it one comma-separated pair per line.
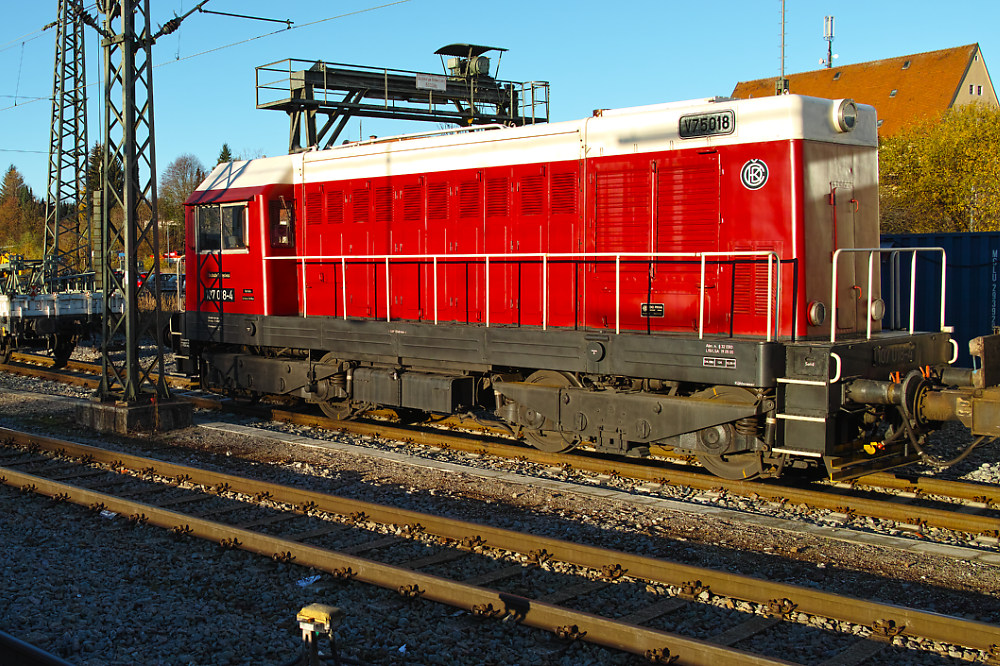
x,y
943,175
22,217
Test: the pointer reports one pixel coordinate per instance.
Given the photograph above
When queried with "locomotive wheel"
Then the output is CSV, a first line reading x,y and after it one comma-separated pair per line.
x,y
6,351
338,410
551,441
733,466
62,350
334,408
744,465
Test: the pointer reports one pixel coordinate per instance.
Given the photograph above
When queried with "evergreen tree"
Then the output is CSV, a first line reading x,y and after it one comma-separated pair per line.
x,y
95,167
13,185
225,155
22,216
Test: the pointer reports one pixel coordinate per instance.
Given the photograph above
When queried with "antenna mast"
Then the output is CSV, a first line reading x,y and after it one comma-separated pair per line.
x,y
828,36
781,85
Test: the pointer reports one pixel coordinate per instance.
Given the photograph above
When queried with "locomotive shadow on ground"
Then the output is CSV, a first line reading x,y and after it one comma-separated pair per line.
x,y
679,547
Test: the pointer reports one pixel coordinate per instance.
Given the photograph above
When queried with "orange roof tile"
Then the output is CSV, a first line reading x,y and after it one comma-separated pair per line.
x,y
923,89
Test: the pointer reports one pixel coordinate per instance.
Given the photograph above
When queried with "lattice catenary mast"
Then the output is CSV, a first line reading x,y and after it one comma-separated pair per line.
x,y
67,222
128,208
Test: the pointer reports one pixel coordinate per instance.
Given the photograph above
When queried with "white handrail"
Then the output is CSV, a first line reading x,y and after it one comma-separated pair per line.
x,y
618,295
343,284
871,269
773,286
701,302
545,291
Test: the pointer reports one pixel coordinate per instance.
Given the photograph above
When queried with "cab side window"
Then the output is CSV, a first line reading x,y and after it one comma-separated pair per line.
x,y
282,225
221,227
209,224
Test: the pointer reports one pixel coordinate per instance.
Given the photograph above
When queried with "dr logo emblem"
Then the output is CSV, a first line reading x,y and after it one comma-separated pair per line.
x,y
754,174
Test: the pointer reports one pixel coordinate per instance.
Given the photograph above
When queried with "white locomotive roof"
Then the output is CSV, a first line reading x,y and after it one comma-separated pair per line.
x,y
251,173
607,133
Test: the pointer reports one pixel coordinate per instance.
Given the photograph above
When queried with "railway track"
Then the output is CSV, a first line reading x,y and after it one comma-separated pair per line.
x,y
504,575
916,502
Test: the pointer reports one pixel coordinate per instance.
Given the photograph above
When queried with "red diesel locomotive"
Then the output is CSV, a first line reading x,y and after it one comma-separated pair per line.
x,y
702,275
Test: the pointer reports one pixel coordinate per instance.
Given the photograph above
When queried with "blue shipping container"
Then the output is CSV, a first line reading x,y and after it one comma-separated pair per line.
x,y
973,265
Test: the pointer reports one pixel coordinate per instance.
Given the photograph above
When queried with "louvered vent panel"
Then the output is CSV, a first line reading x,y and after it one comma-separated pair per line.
x,y
750,293
533,195
335,207
411,203
564,191
437,201
622,211
687,208
360,204
468,200
314,207
497,190
383,204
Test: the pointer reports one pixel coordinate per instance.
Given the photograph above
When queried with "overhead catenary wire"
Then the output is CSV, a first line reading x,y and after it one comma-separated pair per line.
x,y
241,42
35,34
294,27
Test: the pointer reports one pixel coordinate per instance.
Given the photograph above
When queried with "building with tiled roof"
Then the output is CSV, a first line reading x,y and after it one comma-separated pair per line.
x,y
902,90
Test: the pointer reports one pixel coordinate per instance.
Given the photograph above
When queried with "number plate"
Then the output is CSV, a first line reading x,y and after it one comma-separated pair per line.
x,y
651,310
220,295
707,124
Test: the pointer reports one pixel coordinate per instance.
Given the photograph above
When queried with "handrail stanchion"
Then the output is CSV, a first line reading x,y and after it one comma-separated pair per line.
x,y
777,296
944,265
771,315
388,297
435,290
868,314
545,291
833,298
701,301
343,283
770,286
304,296
618,294
487,306
913,292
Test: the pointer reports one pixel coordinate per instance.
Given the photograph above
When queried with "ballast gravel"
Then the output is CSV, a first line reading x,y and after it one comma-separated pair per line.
x,y
97,590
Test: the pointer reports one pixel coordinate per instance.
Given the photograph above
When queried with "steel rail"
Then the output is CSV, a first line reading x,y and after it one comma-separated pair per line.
x,y
474,599
933,626
15,651
79,366
911,514
928,485
840,503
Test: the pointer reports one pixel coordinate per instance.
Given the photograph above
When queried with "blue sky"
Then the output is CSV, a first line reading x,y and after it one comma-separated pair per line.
x,y
594,54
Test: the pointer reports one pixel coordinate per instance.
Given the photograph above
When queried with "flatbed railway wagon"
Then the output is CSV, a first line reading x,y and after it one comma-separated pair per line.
x,y
700,275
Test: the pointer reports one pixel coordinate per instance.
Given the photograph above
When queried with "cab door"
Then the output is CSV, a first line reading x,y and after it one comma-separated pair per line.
x,y
850,291
281,285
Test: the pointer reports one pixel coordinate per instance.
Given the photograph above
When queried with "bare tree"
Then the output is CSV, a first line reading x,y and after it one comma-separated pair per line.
x,y
177,182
